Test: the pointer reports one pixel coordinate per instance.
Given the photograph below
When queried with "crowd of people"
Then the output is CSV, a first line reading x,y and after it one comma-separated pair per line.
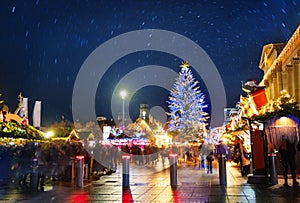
x,y
52,159
207,151
56,159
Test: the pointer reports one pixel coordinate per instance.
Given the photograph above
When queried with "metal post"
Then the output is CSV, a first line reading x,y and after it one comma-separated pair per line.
x,y
123,95
79,171
173,170
34,174
222,170
272,169
125,159
123,112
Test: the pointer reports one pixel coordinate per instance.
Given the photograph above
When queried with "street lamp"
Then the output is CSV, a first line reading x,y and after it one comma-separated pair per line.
x,y
123,95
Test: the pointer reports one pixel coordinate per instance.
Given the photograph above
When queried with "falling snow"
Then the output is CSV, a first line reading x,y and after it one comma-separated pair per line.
x,y
51,40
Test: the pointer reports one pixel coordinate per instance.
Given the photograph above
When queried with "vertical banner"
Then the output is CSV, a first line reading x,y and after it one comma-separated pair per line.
x,y
37,114
260,97
24,109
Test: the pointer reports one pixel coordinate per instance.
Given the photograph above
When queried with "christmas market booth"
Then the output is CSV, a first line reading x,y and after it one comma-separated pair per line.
x,y
277,118
282,125
268,120
15,133
13,136
232,138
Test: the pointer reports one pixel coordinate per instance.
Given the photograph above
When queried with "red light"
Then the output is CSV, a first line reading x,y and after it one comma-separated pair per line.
x,y
127,196
125,157
79,157
82,197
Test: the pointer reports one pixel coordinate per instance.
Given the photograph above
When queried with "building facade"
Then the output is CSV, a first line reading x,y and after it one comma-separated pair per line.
x,y
281,65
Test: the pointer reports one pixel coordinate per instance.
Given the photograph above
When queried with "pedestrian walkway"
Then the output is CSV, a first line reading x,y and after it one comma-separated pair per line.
x,y
152,184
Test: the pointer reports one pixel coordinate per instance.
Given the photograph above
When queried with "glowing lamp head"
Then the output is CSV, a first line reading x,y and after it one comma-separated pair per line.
x,y
123,94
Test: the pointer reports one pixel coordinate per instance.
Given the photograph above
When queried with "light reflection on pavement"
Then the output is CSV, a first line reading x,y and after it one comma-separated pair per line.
x,y
152,184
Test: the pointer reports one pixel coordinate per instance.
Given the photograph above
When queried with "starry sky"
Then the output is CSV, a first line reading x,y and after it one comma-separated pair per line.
x,y
44,43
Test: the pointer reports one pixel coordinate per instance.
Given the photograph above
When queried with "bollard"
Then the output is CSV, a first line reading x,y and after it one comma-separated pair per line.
x,y
125,159
79,171
222,170
272,169
34,174
173,170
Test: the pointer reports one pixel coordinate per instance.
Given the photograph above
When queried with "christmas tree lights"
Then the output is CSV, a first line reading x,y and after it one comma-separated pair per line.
x,y
186,105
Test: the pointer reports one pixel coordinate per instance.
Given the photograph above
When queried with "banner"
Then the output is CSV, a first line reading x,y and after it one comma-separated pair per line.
x,y
259,97
37,114
24,109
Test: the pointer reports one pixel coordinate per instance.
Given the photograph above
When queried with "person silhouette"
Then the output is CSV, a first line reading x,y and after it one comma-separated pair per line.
x,y
221,149
288,151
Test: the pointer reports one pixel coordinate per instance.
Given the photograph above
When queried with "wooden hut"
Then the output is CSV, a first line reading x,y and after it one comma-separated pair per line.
x,y
275,128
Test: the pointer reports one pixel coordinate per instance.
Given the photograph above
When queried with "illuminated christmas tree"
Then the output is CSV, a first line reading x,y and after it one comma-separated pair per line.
x,y
186,105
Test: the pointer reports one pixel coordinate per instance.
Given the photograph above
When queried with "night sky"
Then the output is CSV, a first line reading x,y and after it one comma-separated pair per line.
x,y
44,44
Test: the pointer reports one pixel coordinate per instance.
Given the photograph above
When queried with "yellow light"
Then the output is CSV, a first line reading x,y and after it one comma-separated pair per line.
x,y
49,134
184,64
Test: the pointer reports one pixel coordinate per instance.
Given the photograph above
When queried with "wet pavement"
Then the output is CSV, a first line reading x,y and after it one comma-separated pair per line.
x,y
152,184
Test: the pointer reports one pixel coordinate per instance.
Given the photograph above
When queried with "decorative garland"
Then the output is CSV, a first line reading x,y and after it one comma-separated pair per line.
x,y
283,106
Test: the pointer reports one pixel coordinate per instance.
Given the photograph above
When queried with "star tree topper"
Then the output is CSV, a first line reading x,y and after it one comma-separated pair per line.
x,y
184,65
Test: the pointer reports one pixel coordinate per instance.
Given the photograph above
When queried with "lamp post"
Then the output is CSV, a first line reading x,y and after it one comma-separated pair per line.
x,y
123,95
